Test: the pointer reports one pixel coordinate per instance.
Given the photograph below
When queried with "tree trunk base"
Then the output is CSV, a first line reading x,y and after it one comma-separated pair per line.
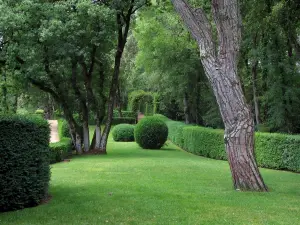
x,y
96,152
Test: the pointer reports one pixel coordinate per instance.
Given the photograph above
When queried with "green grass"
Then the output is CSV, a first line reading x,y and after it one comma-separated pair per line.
x,y
169,186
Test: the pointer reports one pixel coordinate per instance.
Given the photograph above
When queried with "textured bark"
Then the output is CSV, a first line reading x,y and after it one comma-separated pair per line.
x,y
220,64
83,107
123,30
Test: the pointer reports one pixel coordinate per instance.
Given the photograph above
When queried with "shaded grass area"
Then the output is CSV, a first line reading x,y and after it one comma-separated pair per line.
x,y
169,186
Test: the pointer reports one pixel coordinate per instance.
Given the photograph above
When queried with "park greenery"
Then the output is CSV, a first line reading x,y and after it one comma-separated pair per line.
x,y
122,78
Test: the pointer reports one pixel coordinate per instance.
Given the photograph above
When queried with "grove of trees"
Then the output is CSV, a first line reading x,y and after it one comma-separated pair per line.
x,y
221,64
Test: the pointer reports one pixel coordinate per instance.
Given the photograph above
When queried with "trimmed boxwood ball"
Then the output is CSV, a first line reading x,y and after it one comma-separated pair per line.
x,y
151,133
24,161
123,132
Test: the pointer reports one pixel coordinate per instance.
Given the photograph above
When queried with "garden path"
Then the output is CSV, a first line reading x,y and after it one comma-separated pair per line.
x,y
54,131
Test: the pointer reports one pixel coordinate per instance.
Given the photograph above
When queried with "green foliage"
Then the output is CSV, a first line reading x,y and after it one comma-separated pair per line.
x,y
151,133
141,101
125,114
39,111
123,132
278,151
274,151
176,132
60,150
24,161
63,129
119,120
204,141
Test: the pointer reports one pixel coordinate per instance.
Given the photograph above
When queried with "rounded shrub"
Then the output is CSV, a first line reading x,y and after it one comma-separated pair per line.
x,y
151,133
123,132
24,161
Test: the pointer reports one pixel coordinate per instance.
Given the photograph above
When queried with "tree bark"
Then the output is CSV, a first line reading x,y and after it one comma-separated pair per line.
x,y
221,69
83,107
123,30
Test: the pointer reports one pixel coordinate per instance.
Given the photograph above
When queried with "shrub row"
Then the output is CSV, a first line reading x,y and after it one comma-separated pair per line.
x,y
274,151
62,149
119,120
24,161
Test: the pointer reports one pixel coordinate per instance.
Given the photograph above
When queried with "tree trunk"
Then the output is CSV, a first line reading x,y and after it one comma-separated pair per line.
x,y
123,30
221,70
83,107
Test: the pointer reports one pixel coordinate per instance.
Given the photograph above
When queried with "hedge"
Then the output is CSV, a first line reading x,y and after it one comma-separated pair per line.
x,y
119,120
204,141
60,150
151,133
272,150
63,129
24,161
123,132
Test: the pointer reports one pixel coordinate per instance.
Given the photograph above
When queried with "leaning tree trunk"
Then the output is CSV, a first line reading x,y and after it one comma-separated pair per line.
x,y
221,69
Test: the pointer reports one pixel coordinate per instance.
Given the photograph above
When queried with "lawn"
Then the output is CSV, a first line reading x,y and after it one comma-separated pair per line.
x,y
134,186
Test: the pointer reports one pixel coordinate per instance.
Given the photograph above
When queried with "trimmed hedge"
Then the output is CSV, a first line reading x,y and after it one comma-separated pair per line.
x,y
151,133
63,129
123,132
274,151
204,141
120,120
24,161
60,150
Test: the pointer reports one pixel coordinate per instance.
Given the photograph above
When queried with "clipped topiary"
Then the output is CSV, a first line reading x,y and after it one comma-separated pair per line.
x,y
151,133
123,132
24,161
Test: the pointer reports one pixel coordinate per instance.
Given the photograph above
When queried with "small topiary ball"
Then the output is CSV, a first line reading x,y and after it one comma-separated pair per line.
x,y
151,133
123,132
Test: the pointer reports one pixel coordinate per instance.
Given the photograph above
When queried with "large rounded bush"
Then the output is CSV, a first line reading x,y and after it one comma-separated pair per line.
x,y
24,161
123,132
151,133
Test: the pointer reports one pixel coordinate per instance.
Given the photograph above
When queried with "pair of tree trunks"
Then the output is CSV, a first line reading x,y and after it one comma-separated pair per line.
x,y
220,65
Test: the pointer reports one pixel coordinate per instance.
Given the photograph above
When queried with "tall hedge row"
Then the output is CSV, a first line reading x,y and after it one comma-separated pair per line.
x,y
24,161
274,151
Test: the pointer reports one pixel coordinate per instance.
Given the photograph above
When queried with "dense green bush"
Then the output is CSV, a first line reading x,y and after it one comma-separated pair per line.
x,y
39,112
120,120
60,150
24,161
204,141
123,132
151,133
274,151
63,129
278,151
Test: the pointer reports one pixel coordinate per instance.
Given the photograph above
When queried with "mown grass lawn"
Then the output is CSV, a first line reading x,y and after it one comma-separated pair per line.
x,y
134,186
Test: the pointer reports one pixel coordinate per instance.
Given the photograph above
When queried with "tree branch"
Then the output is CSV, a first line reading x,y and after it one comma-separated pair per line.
x,y
198,25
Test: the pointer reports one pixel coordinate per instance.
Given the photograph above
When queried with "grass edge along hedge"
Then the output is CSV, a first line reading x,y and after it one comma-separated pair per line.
x,y
272,150
24,161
